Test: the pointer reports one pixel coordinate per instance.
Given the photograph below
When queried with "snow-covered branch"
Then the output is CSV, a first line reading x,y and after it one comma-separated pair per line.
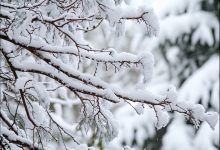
x,y
43,40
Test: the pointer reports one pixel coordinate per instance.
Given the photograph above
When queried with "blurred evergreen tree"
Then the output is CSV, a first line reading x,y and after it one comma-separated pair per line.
x,y
192,52
188,46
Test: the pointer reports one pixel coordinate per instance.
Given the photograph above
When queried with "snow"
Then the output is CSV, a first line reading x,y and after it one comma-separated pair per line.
x,y
20,83
147,15
200,141
162,117
197,111
128,2
115,15
82,147
12,136
139,108
177,136
127,148
212,119
129,120
206,74
42,95
65,50
40,115
7,14
203,35
119,33
172,94
215,95
151,18
170,27
179,18
25,82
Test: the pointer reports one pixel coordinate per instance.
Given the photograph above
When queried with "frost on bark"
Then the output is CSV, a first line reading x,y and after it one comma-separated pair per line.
x,y
43,49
